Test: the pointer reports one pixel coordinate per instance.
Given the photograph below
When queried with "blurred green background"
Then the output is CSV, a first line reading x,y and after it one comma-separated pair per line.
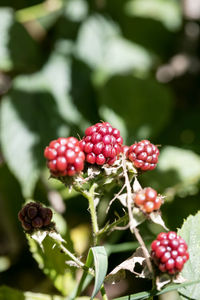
x,y
66,64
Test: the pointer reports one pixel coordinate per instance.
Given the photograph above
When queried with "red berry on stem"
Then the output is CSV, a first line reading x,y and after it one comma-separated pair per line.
x,y
169,259
147,200
102,144
65,157
144,155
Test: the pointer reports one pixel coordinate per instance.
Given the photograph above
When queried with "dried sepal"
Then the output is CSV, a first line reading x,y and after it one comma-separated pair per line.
x,y
129,264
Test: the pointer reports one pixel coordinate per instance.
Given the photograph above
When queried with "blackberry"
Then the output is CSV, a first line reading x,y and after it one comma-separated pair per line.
x,y
34,216
144,155
169,252
148,200
64,157
101,144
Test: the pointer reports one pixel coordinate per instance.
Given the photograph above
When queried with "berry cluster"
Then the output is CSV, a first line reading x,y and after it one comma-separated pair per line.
x,y
147,200
33,216
169,252
143,154
101,144
64,157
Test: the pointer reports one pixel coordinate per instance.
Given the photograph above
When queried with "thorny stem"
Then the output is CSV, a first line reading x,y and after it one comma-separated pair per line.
x,y
115,197
76,260
133,229
90,196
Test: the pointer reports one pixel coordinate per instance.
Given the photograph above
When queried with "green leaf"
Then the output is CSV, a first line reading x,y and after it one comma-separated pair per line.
x,y
45,248
111,53
5,23
167,12
148,101
101,265
13,34
25,133
36,110
96,31
7,293
98,257
190,232
180,169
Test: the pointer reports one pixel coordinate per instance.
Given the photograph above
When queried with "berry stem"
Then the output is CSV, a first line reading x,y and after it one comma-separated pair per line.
x,y
133,229
76,260
90,196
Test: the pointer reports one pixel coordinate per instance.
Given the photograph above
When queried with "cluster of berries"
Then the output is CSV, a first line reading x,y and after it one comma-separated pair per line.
x,y
33,216
144,155
64,156
147,200
101,145
169,252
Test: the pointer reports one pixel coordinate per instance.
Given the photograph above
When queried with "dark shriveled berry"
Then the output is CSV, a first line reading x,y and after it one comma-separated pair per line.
x,y
64,157
101,144
144,155
169,259
34,216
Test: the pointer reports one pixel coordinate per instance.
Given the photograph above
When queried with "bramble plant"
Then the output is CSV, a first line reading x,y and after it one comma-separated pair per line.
x,y
90,167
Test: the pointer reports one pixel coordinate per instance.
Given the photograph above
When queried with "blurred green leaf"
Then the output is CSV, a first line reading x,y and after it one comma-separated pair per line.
x,y
101,46
4,263
166,11
7,293
190,232
33,100
143,104
76,10
13,35
52,261
6,20
93,38
184,167
10,204
149,33
185,162
25,133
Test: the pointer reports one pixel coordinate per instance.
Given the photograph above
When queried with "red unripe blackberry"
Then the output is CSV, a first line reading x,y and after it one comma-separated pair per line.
x,y
33,216
101,144
147,200
64,157
144,155
169,252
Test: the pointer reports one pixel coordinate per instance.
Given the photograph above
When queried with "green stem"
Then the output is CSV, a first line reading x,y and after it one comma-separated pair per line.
x,y
93,213
90,196
76,260
103,293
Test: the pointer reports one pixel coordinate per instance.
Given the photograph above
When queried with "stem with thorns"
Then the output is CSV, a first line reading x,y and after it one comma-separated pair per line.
x,y
133,229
